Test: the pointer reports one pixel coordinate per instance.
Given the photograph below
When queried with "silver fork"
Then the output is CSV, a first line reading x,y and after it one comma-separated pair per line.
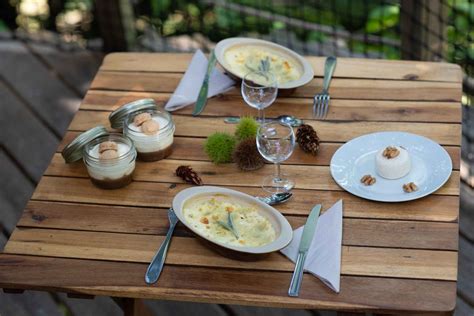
x,y
321,100
156,265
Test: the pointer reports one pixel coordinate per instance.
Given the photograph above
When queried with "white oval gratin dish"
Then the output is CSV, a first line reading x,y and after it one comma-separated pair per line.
x,y
280,223
307,72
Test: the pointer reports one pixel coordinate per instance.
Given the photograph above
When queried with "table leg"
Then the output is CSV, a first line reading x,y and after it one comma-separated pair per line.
x,y
134,307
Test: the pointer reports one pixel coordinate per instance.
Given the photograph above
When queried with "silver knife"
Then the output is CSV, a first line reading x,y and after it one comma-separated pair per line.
x,y
202,98
305,243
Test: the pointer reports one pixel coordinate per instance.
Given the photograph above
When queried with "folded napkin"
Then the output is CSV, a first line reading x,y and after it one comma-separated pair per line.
x,y
188,89
324,256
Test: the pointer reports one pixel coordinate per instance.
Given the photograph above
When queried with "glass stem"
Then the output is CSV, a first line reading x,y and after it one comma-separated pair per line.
x,y
261,116
277,171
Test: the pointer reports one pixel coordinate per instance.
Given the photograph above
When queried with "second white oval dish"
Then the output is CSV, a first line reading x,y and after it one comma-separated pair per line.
x,y
284,232
307,72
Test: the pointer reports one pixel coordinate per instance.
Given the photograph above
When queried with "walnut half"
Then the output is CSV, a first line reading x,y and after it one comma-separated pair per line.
x,y
150,127
368,179
108,154
141,118
391,152
108,150
107,145
410,187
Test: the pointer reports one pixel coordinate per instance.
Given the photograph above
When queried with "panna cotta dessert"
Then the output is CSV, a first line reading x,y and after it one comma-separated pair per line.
x,y
110,161
151,132
392,162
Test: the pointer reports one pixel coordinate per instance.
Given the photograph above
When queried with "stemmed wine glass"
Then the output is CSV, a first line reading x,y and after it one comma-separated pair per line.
x,y
275,142
259,90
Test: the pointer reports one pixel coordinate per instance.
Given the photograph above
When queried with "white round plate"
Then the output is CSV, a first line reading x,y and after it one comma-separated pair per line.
x,y
431,166
279,222
305,67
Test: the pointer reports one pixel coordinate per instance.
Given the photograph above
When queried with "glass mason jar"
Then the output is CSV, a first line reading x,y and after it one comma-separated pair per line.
x,y
111,173
151,147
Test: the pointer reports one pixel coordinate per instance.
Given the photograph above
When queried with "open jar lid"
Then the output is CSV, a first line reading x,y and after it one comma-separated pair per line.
x,y
118,116
73,151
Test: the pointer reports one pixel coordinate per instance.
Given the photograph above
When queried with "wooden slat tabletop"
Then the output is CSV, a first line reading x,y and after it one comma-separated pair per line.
x,y
74,237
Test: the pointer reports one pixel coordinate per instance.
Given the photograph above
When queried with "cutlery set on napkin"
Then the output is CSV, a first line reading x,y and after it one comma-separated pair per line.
x,y
322,248
193,82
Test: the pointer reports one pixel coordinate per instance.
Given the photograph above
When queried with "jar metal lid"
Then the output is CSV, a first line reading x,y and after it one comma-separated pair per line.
x,y
73,151
118,116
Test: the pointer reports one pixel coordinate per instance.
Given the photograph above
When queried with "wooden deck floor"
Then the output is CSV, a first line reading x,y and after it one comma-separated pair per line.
x,y
40,89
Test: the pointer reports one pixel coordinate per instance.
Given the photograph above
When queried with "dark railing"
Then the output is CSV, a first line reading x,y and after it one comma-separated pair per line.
x,y
393,29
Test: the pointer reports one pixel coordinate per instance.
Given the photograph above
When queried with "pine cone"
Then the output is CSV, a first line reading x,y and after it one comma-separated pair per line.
x,y
246,155
308,139
188,175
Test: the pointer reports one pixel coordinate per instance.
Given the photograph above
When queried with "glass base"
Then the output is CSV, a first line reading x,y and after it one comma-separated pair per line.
x,y
272,184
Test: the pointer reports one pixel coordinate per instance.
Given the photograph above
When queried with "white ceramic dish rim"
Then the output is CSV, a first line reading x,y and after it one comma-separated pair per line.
x,y
286,232
408,197
306,76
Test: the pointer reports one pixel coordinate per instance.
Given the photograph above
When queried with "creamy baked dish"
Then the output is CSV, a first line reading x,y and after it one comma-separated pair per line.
x,y
211,215
246,58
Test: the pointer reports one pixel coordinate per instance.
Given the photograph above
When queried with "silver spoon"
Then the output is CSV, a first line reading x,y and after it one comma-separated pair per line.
x,y
276,198
288,119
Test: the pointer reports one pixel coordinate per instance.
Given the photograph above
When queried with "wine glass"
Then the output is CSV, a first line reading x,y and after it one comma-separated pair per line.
x,y
275,142
259,90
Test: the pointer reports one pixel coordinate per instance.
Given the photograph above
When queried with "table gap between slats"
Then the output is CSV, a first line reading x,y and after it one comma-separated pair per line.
x,y
317,76
192,149
361,89
188,251
449,114
153,221
305,174
350,238
351,67
103,75
330,131
341,109
356,235
65,189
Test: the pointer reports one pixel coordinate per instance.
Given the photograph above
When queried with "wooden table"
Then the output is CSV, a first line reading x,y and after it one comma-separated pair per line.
x,y
76,238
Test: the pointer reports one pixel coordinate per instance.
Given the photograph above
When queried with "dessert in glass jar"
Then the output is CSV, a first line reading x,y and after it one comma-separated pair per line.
x,y
109,158
110,161
152,133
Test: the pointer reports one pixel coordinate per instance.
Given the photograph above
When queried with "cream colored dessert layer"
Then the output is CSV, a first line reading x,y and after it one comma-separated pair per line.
x,y
110,169
151,143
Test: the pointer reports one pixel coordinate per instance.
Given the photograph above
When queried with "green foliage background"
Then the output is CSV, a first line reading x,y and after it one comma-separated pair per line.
x,y
358,16
216,22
